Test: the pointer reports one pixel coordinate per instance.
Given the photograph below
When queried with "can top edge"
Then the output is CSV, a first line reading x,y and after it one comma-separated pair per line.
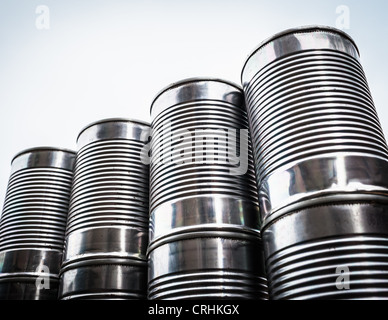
x,y
190,80
95,123
38,149
308,28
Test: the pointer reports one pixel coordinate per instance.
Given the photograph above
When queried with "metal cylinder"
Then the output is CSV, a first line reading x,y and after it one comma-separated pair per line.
x,y
321,160
204,219
33,223
107,227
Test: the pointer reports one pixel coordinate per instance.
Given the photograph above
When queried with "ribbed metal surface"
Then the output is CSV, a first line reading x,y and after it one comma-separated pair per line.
x,y
23,225
317,141
342,240
33,223
210,286
312,104
229,268
186,180
109,175
107,228
194,196
308,271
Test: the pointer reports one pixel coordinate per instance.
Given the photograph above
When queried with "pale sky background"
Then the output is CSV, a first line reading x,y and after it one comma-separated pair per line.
x,y
108,58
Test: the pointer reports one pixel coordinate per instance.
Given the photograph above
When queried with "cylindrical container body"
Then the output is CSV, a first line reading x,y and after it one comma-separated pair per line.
x,y
204,218
318,147
337,251
33,224
107,227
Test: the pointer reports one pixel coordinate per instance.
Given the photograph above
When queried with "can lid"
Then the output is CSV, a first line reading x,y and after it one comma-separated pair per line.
x,y
192,80
143,123
42,149
302,29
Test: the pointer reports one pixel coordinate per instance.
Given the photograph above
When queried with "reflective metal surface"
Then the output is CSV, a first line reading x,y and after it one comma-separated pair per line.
x,y
43,157
321,161
295,41
107,228
199,207
306,248
341,177
229,268
310,110
207,212
33,223
105,281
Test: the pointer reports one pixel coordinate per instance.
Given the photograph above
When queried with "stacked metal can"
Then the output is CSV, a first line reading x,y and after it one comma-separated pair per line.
x,y
322,164
107,228
33,223
204,219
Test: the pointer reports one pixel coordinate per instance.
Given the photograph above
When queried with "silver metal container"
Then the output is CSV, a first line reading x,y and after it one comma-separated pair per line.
x,y
337,251
321,161
33,223
204,218
107,228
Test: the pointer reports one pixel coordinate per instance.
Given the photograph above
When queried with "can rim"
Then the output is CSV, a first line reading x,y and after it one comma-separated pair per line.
x,y
308,28
143,123
190,80
44,148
